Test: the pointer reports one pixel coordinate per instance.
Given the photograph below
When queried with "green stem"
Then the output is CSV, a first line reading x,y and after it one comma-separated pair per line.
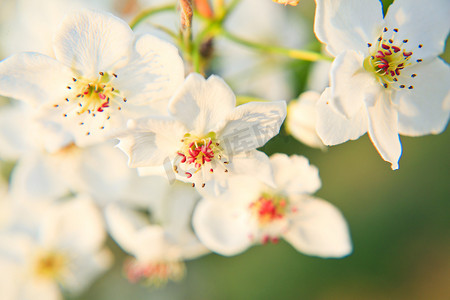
x,y
149,12
292,53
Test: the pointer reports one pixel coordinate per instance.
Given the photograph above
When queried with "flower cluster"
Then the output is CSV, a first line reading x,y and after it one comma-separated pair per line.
x,y
196,179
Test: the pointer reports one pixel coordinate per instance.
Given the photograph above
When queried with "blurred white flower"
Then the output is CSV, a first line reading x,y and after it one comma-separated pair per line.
x,y
60,250
255,73
251,212
206,137
301,119
50,165
103,75
162,242
25,30
386,79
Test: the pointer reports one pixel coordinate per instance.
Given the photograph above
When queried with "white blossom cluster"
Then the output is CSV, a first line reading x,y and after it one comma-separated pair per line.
x,y
115,130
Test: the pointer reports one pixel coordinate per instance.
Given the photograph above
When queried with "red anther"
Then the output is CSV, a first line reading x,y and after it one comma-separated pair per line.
x,y
400,66
100,109
265,239
191,144
384,46
389,52
379,54
406,54
384,61
101,96
396,49
397,72
105,104
392,73
211,170
189,175
86,91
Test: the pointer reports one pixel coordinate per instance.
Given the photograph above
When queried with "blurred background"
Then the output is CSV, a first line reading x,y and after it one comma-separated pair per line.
x,y
399,223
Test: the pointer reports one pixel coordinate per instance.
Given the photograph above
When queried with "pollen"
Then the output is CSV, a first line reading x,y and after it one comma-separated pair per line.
x,y
196,152
269,208
93,95
50,265
388,58
155,273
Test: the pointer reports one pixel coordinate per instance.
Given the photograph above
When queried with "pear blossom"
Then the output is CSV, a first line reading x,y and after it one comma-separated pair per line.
x,y
301,119
103,75
255,73
159,245
386,78
205,138
251,212
50,165
59,250
24,30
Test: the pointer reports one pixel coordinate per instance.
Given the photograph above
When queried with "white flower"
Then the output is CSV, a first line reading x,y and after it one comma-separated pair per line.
x,y
160,245
61,249
102,75
206,137
251,212
50,165
25,30
386,79
301,119
255,73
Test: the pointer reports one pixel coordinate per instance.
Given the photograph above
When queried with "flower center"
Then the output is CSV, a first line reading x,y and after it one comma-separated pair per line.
x,y
92,95
50,265
387,58
154,273
269,208
197,152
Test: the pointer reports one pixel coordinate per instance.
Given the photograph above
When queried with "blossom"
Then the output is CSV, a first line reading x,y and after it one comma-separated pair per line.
x,y
161,245
50,165
251,212
58,249
258,73
301,119
103,75
386,78
206,137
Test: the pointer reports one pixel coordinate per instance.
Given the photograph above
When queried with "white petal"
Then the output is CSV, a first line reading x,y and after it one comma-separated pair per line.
x,y
34,78
123,225
319,229
347,24
36,177
251,125
350,84
84,269
301,119
150,141
420,24
13,132
40,290
333,128
202,105
64,228
383,130
294,174
422,110
154,74
102,173
92,42
253,163
221,228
